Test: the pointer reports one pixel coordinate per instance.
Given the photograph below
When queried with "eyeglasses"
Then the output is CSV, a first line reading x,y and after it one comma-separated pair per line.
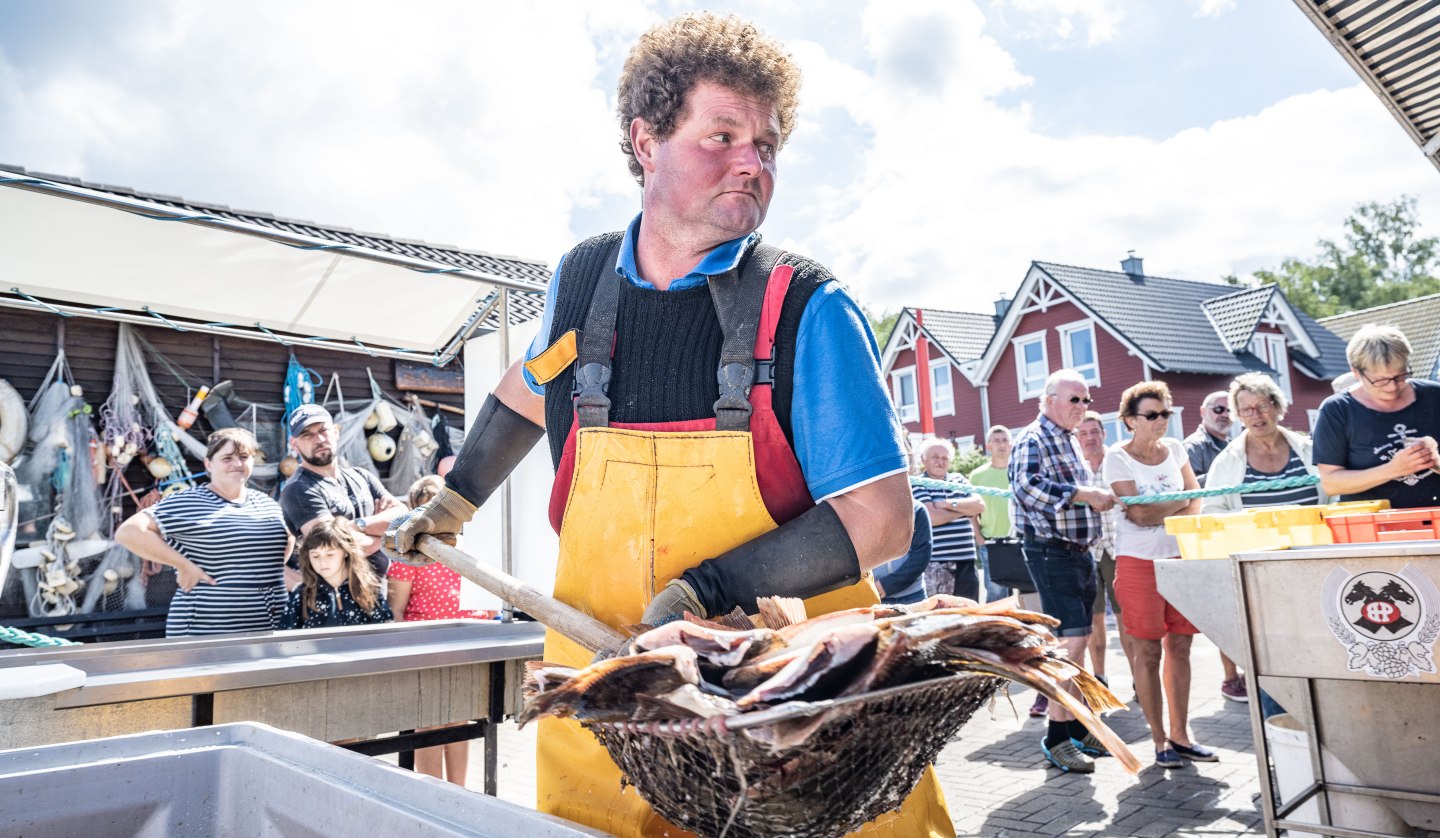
x,y
1263,407
1219,409
1076,399
1152,415
1395,380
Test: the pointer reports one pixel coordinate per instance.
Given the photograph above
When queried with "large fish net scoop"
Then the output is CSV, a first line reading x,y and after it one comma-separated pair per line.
x,y
792,764
720,777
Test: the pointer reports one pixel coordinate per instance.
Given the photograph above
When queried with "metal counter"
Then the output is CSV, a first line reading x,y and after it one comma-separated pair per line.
x,y
1343,637
328,684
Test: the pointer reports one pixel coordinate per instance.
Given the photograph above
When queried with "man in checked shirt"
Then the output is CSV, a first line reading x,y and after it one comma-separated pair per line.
x,y
1058,516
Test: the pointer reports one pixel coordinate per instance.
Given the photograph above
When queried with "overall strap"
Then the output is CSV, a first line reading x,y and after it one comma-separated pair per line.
x,y
597,340
738,296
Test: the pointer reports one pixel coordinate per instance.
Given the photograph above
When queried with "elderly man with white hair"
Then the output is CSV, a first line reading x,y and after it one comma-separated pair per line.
x,y
952,521
1058,513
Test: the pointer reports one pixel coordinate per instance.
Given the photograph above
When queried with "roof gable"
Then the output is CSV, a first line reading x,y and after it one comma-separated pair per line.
x,y
1235,316
960,336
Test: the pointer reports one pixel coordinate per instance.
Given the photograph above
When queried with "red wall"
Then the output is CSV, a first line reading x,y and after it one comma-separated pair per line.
x,y
966,419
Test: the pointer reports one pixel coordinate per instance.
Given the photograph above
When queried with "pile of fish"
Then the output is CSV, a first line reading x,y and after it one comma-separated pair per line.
x,y
696,668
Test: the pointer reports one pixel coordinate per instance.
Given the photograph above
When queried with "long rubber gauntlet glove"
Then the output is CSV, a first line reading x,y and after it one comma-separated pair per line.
x,y
498,441
806,557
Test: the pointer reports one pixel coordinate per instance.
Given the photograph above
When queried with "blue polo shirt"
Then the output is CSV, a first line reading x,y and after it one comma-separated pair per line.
x,y
846,432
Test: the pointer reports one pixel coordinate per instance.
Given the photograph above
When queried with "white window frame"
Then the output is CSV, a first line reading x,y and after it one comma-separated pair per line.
x,y
1091,371
1176,425
911,412
1018,344
1115,430
964,444
1313,416
937,407
1273,350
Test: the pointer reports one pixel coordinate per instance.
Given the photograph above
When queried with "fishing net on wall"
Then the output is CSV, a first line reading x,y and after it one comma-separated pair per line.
x,y
414,451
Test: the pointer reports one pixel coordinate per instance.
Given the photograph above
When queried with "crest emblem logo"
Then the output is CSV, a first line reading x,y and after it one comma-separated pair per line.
x,y
1387,622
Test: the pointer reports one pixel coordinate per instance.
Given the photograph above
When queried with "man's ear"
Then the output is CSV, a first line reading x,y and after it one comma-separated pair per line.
x,y
644,143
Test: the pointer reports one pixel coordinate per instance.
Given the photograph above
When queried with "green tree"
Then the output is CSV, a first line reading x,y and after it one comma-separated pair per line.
x,y
1382,259
882,324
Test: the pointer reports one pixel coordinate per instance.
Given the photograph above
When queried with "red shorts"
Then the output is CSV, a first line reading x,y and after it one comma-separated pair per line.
x,y
1148,615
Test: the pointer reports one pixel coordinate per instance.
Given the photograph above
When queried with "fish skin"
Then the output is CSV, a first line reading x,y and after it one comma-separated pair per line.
x,y
717,646
606,690
827,656
684,702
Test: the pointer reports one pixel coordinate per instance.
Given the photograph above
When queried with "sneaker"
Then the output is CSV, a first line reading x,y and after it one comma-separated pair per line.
x,y
1090,746
1102,679
1168,759
1194,752
1040,707
1067,757
1234,689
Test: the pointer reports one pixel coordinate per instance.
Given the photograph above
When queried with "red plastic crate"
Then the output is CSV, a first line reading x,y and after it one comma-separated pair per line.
x,y
1396,525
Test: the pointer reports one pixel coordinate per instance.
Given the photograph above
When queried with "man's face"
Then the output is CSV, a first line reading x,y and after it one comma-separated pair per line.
x,y
316,444
998,444
1217,423
937,462
1091,435
1067,405
714,175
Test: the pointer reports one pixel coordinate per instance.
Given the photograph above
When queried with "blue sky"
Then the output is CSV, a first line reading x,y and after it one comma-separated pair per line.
x,y
942,145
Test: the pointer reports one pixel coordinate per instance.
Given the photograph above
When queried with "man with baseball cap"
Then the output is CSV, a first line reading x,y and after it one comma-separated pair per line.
x,y
322,489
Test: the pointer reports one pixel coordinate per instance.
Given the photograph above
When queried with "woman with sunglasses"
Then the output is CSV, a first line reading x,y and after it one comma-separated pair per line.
x,y
1265,450
1151,463
1377,440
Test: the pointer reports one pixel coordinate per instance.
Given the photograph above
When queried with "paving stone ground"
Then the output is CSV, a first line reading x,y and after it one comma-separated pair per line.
x,y
997,783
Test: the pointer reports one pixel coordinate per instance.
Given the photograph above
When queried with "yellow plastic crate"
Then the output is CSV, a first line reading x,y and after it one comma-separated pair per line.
x,y
1267,528
1354,507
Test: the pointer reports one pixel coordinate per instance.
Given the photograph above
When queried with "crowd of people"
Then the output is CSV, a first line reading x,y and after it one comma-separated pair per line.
x,y
1089,554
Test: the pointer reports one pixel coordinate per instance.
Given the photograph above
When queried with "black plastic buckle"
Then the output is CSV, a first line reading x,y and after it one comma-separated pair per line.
x,y
734,402
765,371
592,383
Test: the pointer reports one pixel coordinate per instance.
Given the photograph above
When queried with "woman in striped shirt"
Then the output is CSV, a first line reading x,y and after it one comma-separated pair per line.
x,y
1266,450
226,542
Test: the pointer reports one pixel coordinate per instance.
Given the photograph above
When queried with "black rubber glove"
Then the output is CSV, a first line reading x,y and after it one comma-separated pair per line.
x,y
805,557
496,443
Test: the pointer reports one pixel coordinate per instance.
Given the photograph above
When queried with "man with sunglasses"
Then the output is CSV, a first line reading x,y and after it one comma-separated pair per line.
x,y
1212,436
1058,514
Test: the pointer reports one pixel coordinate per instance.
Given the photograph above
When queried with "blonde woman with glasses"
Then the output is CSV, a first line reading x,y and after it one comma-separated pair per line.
x,y
1376,440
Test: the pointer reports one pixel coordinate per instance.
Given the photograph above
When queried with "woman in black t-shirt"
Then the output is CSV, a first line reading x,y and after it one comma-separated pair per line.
x,y
1377,439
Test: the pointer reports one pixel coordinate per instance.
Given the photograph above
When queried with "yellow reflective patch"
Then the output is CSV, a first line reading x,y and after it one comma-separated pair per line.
x,y
555,359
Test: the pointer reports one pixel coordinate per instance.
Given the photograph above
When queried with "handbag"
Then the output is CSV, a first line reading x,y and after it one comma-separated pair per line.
x,y
1007,565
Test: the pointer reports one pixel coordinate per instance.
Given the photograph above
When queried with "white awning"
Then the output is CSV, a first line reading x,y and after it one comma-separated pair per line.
x,y
65,244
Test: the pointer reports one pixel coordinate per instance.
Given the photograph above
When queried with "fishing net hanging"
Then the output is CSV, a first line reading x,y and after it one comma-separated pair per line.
x,y
414,450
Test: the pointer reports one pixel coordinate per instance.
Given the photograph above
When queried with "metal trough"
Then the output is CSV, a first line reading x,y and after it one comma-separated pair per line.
x,y
241,780
1343,637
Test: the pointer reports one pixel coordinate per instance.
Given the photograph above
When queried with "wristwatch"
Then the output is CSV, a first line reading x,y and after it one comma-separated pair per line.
x,y
359,524
954,503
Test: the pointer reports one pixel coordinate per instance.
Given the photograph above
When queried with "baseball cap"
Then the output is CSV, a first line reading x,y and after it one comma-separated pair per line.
x,y
306,415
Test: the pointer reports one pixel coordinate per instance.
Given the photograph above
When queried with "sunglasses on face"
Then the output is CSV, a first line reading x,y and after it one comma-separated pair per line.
x,y
1078,399
1151,416
1219,409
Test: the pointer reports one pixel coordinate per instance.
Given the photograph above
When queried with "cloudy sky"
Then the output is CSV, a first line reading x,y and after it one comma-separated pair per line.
x,y
942,145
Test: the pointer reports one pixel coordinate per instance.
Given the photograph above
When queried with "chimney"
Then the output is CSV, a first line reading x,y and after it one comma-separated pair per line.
x,y
1133,265
1002,306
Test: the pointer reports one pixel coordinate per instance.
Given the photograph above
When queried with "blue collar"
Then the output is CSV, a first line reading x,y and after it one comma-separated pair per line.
x,y
718,261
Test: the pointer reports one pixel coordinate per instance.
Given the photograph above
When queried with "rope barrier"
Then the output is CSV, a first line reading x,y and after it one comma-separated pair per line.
x,y
1162,497
20,637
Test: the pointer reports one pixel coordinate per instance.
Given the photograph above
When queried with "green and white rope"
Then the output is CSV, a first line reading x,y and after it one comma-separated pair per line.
x,y
18,637
1161,497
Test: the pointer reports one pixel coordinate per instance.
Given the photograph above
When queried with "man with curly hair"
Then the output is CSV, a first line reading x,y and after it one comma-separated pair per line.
x,y
673,494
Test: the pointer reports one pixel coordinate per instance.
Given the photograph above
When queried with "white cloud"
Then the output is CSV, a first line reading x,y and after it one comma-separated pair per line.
x,y
1092,21
1212,8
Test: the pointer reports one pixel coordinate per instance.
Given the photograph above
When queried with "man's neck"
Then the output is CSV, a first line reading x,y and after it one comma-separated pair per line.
x,y
1095,461
1000,462
667,252
1218,437
331,471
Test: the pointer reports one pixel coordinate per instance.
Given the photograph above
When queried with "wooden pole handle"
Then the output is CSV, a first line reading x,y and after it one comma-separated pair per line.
x,y
576,625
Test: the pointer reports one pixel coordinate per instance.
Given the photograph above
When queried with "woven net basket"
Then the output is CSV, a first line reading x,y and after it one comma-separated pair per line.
x,y
721,777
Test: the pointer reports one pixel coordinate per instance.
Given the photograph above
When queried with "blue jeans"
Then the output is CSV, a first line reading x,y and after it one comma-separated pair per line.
x,y
992,590
1065,580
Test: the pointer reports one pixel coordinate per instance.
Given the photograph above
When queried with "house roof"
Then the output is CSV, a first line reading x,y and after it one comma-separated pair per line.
x,y
963,334
1166,320
1235,316
1391,44
1418,319
455,285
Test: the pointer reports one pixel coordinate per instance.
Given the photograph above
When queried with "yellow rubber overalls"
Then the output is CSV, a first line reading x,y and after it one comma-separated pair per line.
x,y
643,506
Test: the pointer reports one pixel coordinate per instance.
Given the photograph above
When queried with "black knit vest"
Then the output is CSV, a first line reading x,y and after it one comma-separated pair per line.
x,y
667,345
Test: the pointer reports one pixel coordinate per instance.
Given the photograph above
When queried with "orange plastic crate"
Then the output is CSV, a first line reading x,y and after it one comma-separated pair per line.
x,y
1397,525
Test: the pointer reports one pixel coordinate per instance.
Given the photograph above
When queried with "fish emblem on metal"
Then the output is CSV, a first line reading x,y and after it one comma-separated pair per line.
x,y
1387,622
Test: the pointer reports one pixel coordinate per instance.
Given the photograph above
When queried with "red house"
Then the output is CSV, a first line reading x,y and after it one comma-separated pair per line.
x,y
1116,328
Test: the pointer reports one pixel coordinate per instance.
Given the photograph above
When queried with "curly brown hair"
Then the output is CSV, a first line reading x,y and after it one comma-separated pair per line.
x,y
1130,399
670,59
